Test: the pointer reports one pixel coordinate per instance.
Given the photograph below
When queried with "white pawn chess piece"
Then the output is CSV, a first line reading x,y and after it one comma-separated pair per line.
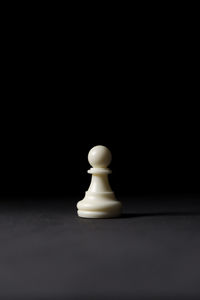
x,y
99,201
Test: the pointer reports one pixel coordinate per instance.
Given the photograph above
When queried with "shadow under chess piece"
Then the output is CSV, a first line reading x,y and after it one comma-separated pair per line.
x,y
99,201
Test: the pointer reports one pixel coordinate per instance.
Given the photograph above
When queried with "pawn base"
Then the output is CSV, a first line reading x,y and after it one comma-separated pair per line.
x,y
99,205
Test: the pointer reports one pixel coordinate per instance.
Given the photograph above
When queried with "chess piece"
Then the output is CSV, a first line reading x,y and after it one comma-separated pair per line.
x,y
99,201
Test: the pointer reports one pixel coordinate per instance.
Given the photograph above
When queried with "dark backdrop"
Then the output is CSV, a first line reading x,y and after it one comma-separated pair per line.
x,y
155,148
133,89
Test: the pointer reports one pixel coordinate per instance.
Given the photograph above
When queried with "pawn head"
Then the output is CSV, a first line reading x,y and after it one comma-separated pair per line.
x,y
99,157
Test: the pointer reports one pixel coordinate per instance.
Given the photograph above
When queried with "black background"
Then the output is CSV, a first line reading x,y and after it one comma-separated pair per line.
x,y
130,85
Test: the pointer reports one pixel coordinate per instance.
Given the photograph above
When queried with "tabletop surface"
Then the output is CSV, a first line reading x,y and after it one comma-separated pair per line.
x,y
151,252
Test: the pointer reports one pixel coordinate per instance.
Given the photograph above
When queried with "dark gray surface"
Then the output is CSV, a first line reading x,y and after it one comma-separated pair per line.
x,y
151,252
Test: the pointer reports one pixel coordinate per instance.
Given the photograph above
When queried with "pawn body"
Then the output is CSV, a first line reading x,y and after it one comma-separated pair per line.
x,y
99,200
